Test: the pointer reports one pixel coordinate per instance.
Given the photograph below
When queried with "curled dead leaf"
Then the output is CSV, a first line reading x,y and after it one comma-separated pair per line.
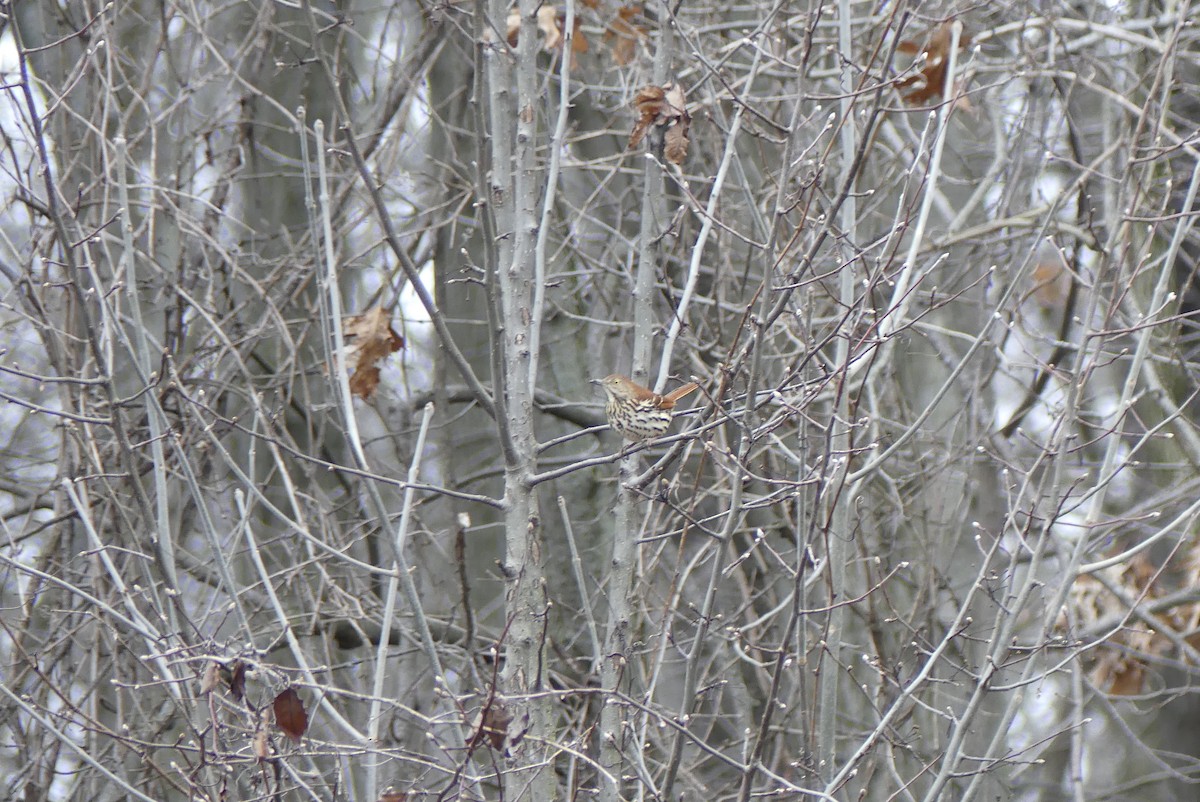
x,y
370,338
647,102
675,143
663,109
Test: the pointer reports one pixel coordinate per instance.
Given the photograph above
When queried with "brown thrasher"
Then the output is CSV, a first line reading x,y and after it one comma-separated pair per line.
x,y
636,412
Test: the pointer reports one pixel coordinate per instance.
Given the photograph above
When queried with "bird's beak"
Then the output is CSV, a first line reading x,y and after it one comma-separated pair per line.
x,y
596,382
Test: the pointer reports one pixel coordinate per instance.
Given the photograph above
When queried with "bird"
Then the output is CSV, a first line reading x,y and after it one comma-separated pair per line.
x,y
635,412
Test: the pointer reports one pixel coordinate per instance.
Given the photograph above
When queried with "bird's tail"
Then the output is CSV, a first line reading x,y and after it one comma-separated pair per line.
x,y
679,392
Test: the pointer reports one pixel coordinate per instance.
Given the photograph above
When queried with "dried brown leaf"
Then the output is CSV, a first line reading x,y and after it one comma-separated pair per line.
x,y
675,144
290,715
393,796
675,99
370,339
665,108
648,102
364,381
